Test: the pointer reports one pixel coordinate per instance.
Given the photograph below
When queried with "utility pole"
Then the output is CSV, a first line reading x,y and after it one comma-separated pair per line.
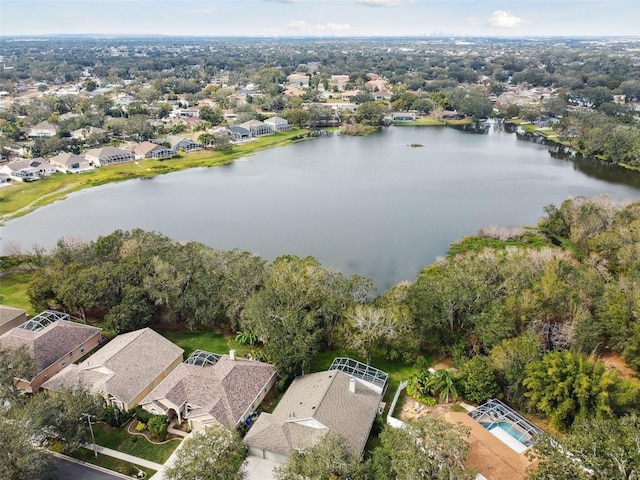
x,y
93,438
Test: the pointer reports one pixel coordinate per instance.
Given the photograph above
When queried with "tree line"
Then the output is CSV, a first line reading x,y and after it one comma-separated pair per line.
x,y
524,314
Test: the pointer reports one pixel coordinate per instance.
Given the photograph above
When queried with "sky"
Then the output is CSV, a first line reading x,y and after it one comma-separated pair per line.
x,y
340,18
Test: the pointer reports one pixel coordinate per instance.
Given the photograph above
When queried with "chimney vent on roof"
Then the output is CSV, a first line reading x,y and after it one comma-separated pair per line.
x,y
352,385
232,354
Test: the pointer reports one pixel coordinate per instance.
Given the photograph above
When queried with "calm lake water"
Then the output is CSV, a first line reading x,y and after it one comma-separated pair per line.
x,y
369,205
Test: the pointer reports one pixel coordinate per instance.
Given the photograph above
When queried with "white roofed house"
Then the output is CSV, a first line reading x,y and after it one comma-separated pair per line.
x,y
183,143
125,370
66,162
279,124
22,170
43,166
108,156
43,129
258,128
151,150
210,388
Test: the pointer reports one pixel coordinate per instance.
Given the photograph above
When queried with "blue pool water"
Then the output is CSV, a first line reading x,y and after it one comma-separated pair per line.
x,y
510,429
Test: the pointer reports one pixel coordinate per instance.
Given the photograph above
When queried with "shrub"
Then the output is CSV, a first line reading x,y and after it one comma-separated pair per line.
x,y
141,426
157,426
142,415
114,417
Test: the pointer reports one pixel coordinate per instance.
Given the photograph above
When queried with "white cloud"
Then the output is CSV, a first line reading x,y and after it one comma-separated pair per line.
x,y
319,27
505,19
379,3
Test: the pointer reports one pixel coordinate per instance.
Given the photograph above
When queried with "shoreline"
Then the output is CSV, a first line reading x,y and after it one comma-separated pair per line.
x,y
20,199
58,186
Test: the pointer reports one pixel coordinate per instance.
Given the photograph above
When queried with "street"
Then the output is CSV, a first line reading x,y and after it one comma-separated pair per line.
x,y
67,470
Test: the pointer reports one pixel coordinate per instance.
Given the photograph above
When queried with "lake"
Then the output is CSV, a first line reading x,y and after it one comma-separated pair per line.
x,y
372,205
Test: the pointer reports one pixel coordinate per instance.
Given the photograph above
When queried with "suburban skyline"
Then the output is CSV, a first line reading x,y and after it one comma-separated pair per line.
x,y
322,18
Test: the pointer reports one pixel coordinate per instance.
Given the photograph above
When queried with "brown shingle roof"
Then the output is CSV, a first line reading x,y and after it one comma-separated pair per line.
x,y
50,344
224,390
124,367
323,401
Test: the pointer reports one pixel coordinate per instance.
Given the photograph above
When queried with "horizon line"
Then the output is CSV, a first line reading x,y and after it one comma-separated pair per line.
x,y
334,37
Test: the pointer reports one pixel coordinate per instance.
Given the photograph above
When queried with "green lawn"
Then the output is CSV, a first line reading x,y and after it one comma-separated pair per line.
x,y
21,198
207,341
13,290
110,463
136,445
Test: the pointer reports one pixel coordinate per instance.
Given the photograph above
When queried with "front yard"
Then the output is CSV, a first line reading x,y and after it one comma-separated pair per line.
x,y
137,445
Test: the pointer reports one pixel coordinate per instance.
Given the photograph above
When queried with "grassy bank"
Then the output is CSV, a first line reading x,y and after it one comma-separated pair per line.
x,y
13,290
22,198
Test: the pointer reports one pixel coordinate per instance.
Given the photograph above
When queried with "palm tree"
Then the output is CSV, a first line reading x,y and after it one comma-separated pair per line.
x,y
442,384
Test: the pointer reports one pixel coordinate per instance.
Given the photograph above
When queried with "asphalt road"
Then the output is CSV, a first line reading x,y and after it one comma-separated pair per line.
x,y
66,470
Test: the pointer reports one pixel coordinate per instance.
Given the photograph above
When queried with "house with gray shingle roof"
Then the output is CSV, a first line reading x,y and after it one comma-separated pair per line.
x,y
125,370
43,129
53,341
70,163
151,150
313,406
225,391
258,128
108,155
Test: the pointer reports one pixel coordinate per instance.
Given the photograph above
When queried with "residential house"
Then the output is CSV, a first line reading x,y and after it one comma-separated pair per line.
x,y
151,150
404,117
66,162
279,124
43,166
381,95
125,370
21,170
183,143
298,80
53,341
68,116
86,132
209,388
43,129
229,115
107,156
10,318
258,128
339,81
349,95
239,133
314,405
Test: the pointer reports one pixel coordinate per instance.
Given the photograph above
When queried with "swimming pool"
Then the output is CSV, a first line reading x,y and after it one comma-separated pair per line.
x,y
511,429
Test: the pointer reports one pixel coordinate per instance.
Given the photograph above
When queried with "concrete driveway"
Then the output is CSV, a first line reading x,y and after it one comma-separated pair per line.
x,y
259,468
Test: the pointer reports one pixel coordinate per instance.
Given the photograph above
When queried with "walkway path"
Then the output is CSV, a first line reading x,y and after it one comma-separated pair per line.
x,y
125,456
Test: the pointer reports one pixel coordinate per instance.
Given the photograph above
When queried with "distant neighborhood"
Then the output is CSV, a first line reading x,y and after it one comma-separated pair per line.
x,y
94,116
